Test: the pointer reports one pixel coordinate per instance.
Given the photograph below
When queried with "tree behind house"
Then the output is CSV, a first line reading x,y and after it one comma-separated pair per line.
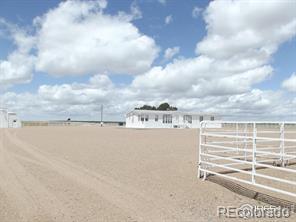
x,y
162,107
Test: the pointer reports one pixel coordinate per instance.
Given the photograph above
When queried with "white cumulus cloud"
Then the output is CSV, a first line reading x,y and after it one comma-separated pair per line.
x,y
168,19
196,11
77,38
171,52
18,67
245,28
199,77
234,55
290,83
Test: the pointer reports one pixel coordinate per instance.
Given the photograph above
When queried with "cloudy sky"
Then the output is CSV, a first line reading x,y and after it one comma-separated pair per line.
x,y
65,59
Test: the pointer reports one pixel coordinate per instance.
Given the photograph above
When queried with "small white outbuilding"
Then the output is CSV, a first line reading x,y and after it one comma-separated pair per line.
x,y
9,119
168,119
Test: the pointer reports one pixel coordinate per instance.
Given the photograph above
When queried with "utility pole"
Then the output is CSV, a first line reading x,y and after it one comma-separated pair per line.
x,y
102,108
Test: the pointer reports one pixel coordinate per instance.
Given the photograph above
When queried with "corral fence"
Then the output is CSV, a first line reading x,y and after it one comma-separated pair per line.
x,y
71,123
262,154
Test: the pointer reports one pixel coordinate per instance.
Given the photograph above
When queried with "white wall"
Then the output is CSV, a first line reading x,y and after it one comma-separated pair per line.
x,y
132,121
3,119
13,121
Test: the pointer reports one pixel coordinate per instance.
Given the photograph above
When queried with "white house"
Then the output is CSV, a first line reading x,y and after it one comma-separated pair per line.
x,y
9,119
167,119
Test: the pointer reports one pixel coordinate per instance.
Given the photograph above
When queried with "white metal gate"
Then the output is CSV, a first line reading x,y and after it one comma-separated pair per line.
x,y
262,154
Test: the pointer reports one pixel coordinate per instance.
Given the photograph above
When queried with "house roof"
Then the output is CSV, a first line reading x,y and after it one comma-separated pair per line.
x,y
7,112
160,112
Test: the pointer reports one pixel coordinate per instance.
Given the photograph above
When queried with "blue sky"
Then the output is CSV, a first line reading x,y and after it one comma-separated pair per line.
x,y
180,61
184,31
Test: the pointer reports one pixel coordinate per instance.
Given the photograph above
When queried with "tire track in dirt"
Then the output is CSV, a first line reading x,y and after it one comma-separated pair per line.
x,y
134,203
33,202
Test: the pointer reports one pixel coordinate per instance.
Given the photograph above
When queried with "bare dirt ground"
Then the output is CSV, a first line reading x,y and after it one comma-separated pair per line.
x,y
106,174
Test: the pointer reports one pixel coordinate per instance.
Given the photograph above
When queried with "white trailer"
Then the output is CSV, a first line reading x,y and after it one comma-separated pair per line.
x,y
168,119
9,119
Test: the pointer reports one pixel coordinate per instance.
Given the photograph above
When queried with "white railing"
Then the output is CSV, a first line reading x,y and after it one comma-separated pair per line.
x,y
262,154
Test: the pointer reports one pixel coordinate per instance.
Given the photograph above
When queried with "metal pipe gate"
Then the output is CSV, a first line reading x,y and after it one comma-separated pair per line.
x,y
262,154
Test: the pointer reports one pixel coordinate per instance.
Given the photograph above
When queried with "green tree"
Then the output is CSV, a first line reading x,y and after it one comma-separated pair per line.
x,y
146,107
162,107
166,106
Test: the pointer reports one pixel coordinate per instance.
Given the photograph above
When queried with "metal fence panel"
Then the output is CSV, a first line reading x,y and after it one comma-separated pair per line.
x,y
261,154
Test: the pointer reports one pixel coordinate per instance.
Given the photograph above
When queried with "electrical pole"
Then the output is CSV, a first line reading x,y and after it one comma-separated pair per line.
x,y
102,108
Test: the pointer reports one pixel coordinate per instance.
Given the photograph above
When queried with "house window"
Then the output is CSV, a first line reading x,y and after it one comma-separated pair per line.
x,y
167,118
212,118
139,118
156,118
201,118
142,118
146,118
187,119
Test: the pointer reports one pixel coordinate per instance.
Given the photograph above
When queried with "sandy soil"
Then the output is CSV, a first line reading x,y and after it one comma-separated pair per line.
x,y
106,174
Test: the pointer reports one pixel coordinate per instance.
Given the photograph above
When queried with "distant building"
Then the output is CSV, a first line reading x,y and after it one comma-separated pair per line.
x,y
167,119
9,119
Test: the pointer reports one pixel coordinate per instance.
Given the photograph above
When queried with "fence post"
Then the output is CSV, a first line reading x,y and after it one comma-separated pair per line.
x,y
236,129
254,153
245,140
199,150
205,149
282,143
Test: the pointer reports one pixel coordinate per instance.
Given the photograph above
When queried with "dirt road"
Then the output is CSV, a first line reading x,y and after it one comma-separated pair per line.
x,y
105,174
